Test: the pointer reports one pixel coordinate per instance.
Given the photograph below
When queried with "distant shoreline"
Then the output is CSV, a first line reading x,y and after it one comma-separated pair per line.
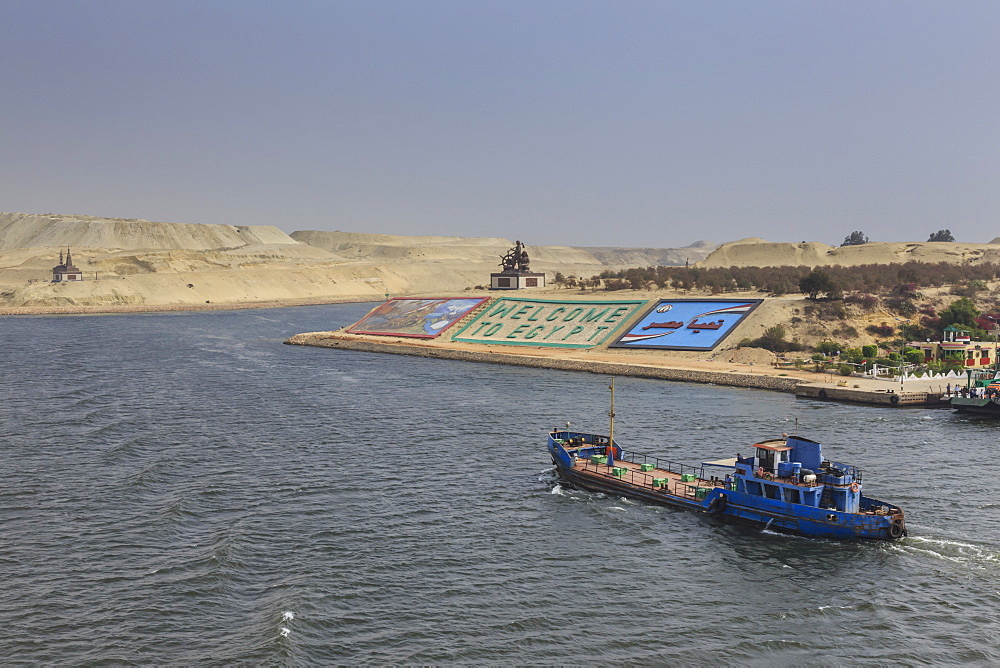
x,y
160,308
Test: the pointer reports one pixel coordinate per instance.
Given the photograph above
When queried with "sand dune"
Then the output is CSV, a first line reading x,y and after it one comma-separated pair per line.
x,y
22,230
760,253
132,262
429,249
340,240
651,257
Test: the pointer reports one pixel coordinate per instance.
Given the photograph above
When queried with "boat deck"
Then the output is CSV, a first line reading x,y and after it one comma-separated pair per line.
x,y
667,481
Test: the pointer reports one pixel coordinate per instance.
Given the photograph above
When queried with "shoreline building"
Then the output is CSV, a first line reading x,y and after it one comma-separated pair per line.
x,y
957,346
66,271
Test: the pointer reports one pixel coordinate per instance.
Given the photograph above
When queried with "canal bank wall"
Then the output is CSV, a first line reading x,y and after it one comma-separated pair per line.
x,y
853,390
737,379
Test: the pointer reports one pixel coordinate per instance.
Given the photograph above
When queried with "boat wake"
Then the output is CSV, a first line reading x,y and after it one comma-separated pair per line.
x,y
771,532
957,552
549,476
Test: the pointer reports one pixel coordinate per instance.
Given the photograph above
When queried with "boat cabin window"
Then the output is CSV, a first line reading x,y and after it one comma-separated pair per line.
x,y
769,458
772,491
791,495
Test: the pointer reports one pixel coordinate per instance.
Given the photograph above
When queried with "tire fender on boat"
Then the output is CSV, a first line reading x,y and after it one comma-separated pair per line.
x,y
717,505
896,529
894,400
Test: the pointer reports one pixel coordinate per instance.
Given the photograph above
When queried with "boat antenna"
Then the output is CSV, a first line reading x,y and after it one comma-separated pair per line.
x,y
796,432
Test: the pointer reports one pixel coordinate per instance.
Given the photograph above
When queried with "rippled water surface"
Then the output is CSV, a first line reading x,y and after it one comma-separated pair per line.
x,y
184,488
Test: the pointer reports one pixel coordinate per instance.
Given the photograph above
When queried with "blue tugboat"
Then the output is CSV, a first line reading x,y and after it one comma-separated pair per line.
x,y
785,485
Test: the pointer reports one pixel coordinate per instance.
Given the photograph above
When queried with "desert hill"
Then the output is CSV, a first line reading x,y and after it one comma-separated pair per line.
x,y
139,262
759,253
356,245
652,257
22,230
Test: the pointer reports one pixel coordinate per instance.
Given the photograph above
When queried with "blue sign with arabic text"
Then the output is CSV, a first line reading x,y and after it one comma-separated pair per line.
x,y
687,324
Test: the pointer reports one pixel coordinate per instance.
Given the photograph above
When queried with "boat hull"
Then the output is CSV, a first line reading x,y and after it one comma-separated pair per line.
x,y
976,405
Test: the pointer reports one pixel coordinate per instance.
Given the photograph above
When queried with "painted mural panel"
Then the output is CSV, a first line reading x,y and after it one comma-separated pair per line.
x,y
421,318
545,322
687,324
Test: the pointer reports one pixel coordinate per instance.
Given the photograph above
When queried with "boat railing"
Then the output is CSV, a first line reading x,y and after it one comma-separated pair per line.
x,y
647,479
877,506
662,464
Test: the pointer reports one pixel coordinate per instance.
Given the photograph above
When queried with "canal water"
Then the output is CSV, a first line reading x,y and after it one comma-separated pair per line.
x,y
183,488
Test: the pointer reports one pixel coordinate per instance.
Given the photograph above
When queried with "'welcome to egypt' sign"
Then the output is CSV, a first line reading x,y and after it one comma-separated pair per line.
x,y
543,322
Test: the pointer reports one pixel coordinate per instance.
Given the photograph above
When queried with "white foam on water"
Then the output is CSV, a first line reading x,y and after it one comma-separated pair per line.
x,y
284,632
951,550
787,536
287,615
558,490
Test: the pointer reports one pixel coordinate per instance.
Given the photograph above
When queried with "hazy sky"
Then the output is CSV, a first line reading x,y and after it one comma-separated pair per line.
x,y
580,123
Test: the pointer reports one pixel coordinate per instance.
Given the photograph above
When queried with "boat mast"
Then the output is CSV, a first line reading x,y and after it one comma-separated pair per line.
x,y
611,415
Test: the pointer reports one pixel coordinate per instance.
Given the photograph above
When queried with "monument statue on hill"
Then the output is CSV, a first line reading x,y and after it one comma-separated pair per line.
x,y
516,259
516,272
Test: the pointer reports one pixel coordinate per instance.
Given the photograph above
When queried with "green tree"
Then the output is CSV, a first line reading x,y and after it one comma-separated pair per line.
x,y
869,352
942,235
773,338
816,282
961,312
829,347
856,238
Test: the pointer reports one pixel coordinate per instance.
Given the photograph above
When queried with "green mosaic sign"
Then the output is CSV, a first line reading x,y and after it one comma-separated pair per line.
x,y
543,322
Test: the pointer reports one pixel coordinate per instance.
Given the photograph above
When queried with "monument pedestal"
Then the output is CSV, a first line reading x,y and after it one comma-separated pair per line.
x,y
517,281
